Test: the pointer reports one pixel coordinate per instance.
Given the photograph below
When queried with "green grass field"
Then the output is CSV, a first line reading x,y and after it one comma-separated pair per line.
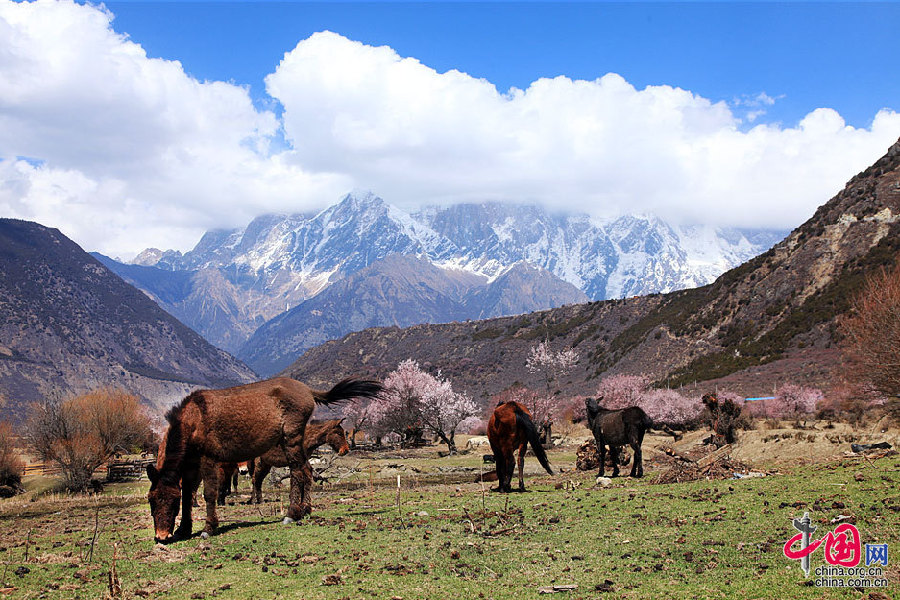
x,y
635,539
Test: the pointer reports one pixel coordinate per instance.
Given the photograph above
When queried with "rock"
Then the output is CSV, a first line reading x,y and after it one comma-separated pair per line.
x,y
477,441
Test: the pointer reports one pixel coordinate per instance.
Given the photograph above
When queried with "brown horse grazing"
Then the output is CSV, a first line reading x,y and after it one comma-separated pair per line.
x,y
233,425
510,427
617,428
318,433
227,476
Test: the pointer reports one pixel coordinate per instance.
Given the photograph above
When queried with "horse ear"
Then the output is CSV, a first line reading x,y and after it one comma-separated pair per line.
x,y
153,474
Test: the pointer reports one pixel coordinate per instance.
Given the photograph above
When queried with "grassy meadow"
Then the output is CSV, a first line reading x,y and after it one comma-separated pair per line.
x,y
452,538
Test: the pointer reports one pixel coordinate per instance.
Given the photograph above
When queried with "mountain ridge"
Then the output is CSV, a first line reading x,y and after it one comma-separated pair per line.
x,y
768,321
399,290
71,325
278,262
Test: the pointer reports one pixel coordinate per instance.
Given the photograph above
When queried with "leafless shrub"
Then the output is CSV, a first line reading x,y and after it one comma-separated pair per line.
x,y
81,433
11,466
872,338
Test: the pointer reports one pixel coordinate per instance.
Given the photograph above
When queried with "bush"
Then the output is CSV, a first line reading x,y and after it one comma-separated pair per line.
x,y
872,337
794,402
82,433
11,466
724,415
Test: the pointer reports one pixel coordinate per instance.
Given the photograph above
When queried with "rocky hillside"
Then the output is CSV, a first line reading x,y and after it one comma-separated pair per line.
x,y
400,290
770,320
240,278
70,325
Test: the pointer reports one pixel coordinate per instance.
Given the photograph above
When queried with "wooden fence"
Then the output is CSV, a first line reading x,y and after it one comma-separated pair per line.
x,y
115,470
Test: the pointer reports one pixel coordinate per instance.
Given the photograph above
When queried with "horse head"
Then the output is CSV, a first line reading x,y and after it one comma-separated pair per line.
x,y
593,407
164,498
337,438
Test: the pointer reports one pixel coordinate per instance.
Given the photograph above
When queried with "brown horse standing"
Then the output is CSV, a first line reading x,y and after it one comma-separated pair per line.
x,y
233,425
510,427
318,433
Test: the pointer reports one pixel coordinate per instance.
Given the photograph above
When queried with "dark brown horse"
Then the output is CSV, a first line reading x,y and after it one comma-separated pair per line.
x,y
318,433
617,428
227,475
509,428
233,425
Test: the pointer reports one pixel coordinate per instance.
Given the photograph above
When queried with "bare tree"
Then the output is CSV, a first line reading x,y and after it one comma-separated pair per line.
x,y
81,433
357,417
872,337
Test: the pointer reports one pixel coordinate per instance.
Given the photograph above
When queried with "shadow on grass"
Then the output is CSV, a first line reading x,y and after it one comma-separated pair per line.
x,y
226,528
373,511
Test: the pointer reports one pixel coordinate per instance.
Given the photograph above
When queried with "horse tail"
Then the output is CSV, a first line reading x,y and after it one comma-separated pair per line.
x,y
347,389
524,422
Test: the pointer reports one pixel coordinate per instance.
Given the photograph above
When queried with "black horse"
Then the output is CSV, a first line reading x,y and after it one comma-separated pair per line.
x,y
617,428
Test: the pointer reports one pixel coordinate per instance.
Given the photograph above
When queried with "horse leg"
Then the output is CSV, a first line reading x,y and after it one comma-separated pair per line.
x,y
521,465
210,473
301,480
499,465
509,471
306,492
224,475
614,456
601,451
190,481
259,476
637,463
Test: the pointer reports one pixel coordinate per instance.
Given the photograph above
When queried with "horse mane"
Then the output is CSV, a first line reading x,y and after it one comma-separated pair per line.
x,y
173,440
173,415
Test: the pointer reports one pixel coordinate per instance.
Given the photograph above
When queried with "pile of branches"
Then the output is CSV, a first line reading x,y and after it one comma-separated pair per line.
x,y
700,465
588,459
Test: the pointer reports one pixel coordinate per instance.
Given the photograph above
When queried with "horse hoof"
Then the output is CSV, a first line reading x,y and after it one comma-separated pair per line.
x,y
288,521
204,535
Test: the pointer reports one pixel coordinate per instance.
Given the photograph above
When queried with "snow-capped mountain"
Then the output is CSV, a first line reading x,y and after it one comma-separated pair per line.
x,y
279,261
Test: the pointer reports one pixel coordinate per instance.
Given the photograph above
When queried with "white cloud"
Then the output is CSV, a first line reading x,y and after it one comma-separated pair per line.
x,y
131,152
413,134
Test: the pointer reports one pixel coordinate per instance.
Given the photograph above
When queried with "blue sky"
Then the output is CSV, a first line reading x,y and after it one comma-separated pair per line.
x,y
807,55
137,124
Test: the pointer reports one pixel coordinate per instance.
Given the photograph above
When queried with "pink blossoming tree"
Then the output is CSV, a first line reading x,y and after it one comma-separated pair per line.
x,y
794,402
416,401
551,365
664,406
